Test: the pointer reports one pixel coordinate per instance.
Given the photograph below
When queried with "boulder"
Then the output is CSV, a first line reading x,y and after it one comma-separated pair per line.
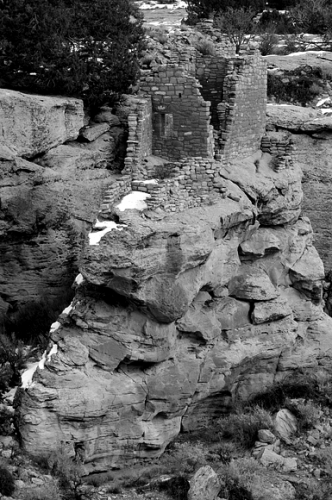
x,y
266,436
254,285
205,484
261,242
285,424
270,310
263,488
33,124
297,118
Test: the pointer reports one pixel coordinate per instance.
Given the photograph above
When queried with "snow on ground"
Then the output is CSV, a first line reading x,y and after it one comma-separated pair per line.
x,y
67,309
55,326
79,279
327,111
134,201
105,226
54,350
323,101
155,5
27,375
150,181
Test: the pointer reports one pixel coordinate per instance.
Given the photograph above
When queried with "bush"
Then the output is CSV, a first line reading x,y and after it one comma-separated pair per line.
x,y
185,458
238,478
7,485
236,24
205,47
279,22
307,413
312,16
177,487
73,47
13,358
298,385
203,9
268,43
49,491
243,425
30,322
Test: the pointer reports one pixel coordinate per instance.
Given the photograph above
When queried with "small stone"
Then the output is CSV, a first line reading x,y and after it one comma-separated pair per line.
x,y
266,436
317,473
312,440
20,484
290,464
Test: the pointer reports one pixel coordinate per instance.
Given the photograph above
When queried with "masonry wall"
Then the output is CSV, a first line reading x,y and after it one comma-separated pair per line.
x,y
211,71
242,114
139,143
180,116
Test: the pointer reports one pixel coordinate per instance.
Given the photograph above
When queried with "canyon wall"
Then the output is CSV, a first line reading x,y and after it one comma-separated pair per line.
x,y
185,301
311,132
51,187
175,315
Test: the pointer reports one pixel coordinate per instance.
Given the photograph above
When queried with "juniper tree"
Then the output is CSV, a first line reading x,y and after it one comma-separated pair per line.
x,y
82,48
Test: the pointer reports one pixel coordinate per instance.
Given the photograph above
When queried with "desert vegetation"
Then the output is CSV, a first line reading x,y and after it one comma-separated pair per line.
x,y
77,48
230,446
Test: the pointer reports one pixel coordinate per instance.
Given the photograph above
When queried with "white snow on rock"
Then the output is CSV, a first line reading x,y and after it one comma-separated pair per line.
x,y
67,309
326,111
134,201
150,181
79,279
55,326
27,375
156,5
54,350
106,226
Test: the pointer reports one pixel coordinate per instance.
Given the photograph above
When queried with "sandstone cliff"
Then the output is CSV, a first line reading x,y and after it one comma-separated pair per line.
x,y
177,314
50,192
311,132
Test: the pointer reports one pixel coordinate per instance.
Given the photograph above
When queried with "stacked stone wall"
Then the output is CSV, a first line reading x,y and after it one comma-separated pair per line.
x,y
180,116
139,143
211,71
171,139
114,192
242,114
193,183
280,146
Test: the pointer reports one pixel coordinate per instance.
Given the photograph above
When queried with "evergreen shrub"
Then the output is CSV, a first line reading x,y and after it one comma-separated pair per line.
x,y
71,47
7,485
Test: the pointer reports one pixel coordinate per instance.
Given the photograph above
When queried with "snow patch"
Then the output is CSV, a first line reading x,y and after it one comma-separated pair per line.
x,y
323,101
134,201
79,279
54,350
55,326
27,375
327,111
67,309
155,5
106,226
150,181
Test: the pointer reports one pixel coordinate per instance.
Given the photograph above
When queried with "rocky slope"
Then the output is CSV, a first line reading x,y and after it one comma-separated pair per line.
x,y
178,314
50,191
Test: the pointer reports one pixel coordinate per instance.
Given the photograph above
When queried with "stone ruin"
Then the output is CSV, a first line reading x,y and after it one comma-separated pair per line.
x,y
192,116
179,311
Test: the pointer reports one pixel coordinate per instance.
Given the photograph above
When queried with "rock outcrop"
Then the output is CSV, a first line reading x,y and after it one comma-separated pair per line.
x,y
50,194
177,314
311,131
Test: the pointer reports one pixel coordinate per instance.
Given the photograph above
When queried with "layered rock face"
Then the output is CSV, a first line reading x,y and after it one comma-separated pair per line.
x,y
312,136
50,191
177,314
